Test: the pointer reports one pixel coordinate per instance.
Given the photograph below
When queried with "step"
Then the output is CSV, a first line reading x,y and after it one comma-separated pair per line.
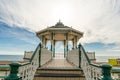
x,y
59,71
57,75
54,76
59,78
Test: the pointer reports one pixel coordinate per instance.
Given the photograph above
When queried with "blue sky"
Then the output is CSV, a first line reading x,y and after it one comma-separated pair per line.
x,y
98,19
15,40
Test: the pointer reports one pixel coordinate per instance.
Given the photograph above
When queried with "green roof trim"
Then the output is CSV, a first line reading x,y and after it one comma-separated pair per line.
x,y
2,76
116,68
4,66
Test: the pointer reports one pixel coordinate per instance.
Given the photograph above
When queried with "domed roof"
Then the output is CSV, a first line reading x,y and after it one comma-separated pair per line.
x,y
59,31
59,25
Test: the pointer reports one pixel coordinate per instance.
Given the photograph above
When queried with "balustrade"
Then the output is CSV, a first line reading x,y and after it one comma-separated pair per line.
x,y
73,57
93,71
26,71
46,56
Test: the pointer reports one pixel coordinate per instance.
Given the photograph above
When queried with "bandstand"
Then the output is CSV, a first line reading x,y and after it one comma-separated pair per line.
x,y
41,64
59,32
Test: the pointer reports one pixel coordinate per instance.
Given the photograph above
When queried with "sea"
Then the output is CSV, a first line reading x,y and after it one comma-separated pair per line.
x,y
105,58
11,57
20,58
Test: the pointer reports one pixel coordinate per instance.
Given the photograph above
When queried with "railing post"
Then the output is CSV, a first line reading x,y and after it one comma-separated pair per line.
x,y
106,72
79,46
13,72
40,55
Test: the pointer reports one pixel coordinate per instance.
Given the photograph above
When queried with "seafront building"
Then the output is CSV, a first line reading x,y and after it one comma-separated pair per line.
x,y
46,64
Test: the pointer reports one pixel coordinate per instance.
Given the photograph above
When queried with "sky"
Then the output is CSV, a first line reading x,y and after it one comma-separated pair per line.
x,y
98,19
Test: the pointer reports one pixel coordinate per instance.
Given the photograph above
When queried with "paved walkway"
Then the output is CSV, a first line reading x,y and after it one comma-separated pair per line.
x,y
59,63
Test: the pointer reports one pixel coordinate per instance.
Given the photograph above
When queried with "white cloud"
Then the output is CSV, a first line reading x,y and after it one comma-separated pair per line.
x,y
58,47
98,19
19,34
115,49
24,36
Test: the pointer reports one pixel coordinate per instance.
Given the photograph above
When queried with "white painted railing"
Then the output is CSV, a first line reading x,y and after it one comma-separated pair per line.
x,y
91,71
73,57
4,71
28,69
40,57
27,55
46,56
80,58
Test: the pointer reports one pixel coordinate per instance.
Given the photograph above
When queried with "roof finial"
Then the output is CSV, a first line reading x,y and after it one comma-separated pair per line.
x,y
59,20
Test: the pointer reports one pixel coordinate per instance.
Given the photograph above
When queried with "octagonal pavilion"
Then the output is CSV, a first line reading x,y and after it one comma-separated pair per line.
x,y
59,32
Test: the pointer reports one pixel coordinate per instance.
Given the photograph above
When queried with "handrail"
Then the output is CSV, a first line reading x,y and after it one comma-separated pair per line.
x,y
39,45
2,77
88,58
29,62
26,63
86,55
116,69
4,66
26,70
5,69
93,71
115,73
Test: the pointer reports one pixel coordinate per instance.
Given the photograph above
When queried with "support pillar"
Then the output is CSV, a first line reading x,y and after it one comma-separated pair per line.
x,y
64,48
54,48
75,41
67,41
43,41
66,44
52,44
79,46
40,55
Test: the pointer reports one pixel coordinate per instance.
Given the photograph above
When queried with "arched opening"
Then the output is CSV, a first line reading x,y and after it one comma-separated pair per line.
x,y
59,49
70,45
48,45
